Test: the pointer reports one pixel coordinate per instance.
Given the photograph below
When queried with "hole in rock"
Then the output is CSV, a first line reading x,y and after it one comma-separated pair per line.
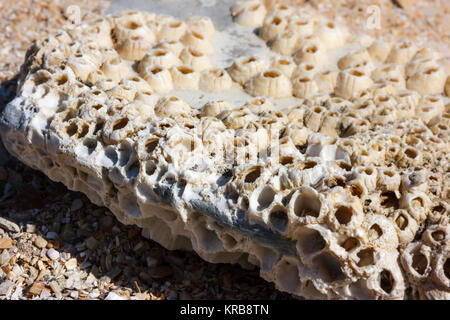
x,y
447,268
411,153
271,74
150,168
438,235
265,197
307,205
61,80
120,124
132,25
229,241
84,130
72,129
287,276
311,49
350,244
375,232
366,257
329,267
344,214
286,160
310,241
419,263
402,221
389,200
386,281
185,69
279,220
151,145
252,175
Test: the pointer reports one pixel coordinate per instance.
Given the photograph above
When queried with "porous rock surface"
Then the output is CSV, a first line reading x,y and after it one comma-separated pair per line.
x,y
319,156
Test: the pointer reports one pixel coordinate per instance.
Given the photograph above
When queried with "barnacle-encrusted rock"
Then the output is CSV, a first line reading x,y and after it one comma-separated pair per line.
x,y
320,157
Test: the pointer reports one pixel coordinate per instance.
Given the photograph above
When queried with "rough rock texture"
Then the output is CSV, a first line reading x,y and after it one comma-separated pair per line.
x,y
333,179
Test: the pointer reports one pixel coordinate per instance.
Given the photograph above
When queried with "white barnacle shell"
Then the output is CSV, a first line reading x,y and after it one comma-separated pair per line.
x,y
284,43
251,15
402,52
351,81
171,106
259,104
195,59
214,108
172,31
160,57
332,35
174,46
430,80
244,68
312,52
269,83
184,77
198,41
201,24
159,78
215,80
285,65
271,27
304,86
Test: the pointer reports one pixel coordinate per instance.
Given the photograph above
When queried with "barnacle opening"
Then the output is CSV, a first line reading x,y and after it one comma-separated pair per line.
x,y
386,281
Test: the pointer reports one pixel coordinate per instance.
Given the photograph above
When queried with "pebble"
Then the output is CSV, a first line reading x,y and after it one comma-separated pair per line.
x,y
9,225
77,204
160,272
74,294
4,258
151,262
5,287
53,254
71,264
45,293
92,243
55,288
106,222
51,235
31,228
36,288
5,243
114,296
40,242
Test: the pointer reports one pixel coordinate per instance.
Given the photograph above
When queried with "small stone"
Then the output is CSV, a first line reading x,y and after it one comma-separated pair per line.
x,y
53,254
40,242
106,222
36,288
8,225
92,243
51,235
77,204
45,293
74,294
6,287
31,228
160,272
71,264
4,258
5,243
151,262
114,296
